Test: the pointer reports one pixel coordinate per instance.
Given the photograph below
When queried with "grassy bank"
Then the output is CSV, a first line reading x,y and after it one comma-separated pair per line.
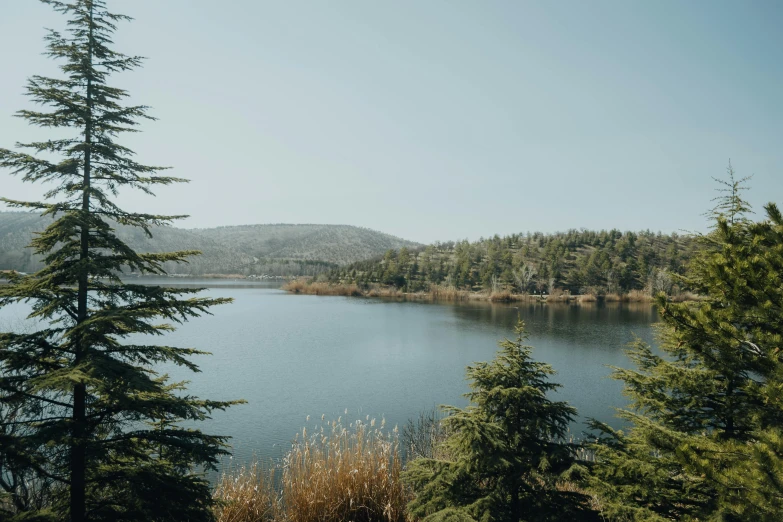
x,y
444,293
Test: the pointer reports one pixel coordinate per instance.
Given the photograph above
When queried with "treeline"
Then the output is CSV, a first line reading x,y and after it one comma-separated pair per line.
x,y
289,267
577,261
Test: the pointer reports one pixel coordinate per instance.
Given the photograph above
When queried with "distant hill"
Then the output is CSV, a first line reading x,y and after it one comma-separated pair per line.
x,y
249,249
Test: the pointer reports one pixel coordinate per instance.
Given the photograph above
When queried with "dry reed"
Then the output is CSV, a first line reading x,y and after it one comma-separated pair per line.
x,y
557,294
344,474
247,494
685,296
384,291
637,296
447,293
587,298
302,286
500,296
336,474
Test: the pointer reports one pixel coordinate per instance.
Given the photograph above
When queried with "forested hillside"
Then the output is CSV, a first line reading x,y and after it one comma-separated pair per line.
x,y
577,261
250,249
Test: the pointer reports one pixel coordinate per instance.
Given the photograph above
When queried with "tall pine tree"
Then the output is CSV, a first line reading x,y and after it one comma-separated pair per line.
x,y
92,418
704,442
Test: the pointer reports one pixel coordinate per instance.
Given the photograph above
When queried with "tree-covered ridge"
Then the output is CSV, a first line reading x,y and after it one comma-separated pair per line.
x,y
280,249
577,261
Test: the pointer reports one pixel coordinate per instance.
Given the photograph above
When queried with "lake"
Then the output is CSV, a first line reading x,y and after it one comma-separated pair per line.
x,y
294,356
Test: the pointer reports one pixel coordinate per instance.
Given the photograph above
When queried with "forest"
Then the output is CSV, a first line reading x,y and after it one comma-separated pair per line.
x,y
575,262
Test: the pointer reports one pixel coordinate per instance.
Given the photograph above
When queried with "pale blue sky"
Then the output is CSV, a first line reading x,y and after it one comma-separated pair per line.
x,y
439,120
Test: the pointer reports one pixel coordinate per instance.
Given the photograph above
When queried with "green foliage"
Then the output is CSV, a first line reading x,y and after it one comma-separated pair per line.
x,y
506,452
705,414
578,261
84,417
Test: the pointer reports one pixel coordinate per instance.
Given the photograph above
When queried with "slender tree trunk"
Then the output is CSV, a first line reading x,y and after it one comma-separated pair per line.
x,y
78,451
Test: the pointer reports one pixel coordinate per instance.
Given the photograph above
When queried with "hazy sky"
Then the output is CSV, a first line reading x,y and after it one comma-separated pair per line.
x,y
438,120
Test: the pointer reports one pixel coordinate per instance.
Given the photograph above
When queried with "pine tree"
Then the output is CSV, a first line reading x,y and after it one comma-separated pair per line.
x,y
94,418
704,442
729,204
507,452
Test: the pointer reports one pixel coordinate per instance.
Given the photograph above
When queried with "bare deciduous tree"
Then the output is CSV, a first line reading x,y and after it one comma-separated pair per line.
x,y
524,276
661,281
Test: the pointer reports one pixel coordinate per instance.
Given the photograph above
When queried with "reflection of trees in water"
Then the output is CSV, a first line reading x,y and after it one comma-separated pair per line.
x,y
588,323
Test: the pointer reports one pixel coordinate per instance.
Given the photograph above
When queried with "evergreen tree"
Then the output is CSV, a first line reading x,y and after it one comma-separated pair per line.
x,y
506,450
94,418
729,203
705,442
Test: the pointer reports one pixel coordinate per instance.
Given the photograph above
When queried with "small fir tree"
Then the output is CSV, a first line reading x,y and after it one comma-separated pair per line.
x,y
92,419
506,450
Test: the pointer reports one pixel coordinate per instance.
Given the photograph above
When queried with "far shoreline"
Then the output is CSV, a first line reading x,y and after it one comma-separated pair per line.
x,y
441,293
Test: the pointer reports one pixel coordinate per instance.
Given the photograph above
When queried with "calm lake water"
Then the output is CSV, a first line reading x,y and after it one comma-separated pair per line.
x,y
291,356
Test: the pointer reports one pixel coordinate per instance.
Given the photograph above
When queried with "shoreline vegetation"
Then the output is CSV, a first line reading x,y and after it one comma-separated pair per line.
x,y
444,293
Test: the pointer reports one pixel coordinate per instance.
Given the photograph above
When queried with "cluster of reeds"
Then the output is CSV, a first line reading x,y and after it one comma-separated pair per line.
x,y
560,295
384,291
333,475
339,474
424,436
588,298
637,296
448,293
681,297
303,286
248,494
501,296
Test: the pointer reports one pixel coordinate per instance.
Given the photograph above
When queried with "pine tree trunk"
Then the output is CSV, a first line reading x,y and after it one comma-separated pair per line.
x,y
78,452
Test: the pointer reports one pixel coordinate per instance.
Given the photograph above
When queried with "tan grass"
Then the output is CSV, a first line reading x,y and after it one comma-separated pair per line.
x,y
343,474
500,296
296,286
613,298
334,475
685,296
384,291
247,494
303,286
557,294
588,298
447,293
637,296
